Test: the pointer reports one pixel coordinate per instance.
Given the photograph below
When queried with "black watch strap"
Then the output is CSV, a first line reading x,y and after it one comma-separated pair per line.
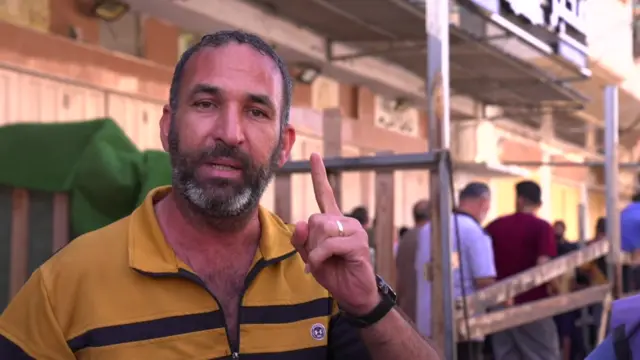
x,y
386,304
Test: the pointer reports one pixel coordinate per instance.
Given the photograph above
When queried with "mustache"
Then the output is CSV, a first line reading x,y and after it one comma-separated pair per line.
x,y
222,150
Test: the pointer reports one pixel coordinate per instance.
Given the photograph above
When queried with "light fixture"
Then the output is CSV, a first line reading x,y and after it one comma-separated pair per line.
x,y
400,104
307,73
109,10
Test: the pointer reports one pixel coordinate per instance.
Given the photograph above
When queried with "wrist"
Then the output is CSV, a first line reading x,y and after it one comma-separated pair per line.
x,y
363,308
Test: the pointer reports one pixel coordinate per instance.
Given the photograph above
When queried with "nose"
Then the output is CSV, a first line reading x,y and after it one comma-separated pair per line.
x,y
229,127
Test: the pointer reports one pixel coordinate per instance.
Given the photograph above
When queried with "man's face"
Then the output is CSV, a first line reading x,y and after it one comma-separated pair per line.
x,y
225,137
559,229
485,205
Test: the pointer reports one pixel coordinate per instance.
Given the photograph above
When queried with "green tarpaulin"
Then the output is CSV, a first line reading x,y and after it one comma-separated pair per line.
x,y
94,161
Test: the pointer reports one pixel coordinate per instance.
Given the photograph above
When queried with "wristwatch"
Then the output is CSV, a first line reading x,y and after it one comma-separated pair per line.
x,y
387,303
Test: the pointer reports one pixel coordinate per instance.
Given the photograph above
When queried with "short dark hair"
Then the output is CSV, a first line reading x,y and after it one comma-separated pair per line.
x,y
222,38
529,191
601,225
361,214
474,190
636,197
422,211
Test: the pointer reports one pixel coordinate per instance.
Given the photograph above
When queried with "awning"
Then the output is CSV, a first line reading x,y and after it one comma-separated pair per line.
x,y
394,30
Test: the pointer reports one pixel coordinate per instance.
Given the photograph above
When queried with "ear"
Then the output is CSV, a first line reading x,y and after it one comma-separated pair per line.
x,y
288,139
165,125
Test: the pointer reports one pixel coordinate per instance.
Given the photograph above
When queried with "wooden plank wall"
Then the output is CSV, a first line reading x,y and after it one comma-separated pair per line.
x,y
33,226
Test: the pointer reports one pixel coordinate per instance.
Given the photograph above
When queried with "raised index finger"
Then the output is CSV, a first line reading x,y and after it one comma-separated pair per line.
x,y
321,187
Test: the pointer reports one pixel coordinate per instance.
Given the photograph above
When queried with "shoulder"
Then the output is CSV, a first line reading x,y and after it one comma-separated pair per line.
x,y
97,248
496,224
95,255
467,222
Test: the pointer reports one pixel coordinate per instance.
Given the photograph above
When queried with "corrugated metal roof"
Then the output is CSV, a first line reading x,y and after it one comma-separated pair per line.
x,y
478,69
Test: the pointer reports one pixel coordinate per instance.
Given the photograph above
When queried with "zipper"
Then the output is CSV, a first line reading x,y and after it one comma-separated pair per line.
x,y
253,273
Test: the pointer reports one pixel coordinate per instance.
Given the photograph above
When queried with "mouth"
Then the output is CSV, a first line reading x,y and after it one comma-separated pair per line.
x,y
222,168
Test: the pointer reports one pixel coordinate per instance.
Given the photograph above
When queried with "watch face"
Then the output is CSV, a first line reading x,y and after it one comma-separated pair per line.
x,y
385,289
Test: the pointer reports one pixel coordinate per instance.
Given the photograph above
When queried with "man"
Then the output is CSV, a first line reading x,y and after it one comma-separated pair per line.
x,y
406,260
200,271
562,245
630,238
569,336
472,260
520,242
593,274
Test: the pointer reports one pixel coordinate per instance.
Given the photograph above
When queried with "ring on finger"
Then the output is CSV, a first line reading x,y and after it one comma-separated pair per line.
x,y
340,228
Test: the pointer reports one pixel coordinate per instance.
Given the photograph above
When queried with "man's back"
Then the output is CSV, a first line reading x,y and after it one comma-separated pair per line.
x,y
406,273
630,227
476,255
518,241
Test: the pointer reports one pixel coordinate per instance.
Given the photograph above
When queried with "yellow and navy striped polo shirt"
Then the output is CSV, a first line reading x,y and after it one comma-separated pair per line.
x,y
121,293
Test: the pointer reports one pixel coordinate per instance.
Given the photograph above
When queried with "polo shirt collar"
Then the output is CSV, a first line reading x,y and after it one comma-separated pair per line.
x,y
149,251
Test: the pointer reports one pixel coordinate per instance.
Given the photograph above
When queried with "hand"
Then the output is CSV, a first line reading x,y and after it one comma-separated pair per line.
x,y
339,261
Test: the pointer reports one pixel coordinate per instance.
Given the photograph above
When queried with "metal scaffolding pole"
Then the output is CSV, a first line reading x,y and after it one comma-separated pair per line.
x,y
614,270
443,329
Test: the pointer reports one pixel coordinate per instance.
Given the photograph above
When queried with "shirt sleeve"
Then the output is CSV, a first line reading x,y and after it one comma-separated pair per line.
x,y
546,241
479,252
28,327
345,341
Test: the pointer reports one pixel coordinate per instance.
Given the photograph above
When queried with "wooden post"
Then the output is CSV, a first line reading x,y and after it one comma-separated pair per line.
x,y
384,230
282,205
19,241
60,221
332,146
438,115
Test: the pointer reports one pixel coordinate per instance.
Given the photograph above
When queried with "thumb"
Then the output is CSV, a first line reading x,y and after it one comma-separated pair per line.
x,y
299,239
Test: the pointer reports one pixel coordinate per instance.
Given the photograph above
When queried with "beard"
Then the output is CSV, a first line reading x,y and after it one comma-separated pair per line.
x,y
220,198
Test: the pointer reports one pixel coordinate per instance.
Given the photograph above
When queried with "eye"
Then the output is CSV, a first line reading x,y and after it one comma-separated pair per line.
x,y
257,113
204,104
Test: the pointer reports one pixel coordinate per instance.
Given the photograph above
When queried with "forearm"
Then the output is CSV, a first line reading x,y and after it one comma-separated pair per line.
x,y
394,337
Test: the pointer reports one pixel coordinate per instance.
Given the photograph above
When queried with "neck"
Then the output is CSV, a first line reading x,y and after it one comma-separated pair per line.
x,y
466,209
527,210
190,231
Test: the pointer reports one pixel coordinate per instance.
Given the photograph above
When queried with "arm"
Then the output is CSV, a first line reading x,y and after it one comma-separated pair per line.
x,y
479,256
394,336
28,327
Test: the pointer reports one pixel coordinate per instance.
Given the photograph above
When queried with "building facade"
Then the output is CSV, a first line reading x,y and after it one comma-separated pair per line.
x,y
59,64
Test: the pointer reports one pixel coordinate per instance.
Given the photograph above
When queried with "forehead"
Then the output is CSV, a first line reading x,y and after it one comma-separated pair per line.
x,y
236,69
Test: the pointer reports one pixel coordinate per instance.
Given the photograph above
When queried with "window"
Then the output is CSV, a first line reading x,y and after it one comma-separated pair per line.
x,y
123,35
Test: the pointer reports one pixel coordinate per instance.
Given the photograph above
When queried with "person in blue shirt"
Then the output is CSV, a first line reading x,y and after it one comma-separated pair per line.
x,y
630,237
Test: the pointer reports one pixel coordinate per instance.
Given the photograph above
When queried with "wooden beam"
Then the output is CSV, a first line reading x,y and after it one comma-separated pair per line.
x,y
332,143
19,241
282,202
604,317
534,277
515,316
60,221
384,230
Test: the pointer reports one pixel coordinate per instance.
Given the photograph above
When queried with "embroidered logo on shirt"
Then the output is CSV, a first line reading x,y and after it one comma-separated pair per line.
x,y
318,331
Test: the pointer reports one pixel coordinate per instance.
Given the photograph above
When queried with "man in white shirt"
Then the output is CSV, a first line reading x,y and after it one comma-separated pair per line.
x,y
475,254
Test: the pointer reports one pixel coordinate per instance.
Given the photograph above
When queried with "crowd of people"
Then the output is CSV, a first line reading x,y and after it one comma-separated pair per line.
x,y
508,245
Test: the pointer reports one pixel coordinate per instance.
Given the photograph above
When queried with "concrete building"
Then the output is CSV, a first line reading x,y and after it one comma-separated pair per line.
x,y
59,63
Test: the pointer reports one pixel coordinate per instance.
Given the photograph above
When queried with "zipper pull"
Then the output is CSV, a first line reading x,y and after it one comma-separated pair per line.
x,y
235,355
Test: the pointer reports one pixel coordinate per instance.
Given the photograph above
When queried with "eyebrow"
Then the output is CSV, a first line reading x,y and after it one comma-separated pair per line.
x,y
260,99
